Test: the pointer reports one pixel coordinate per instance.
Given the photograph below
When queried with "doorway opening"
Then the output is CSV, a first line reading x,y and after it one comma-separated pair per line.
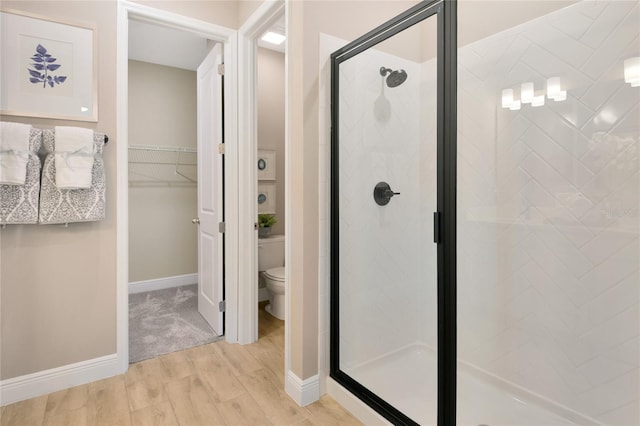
x,y
209,220
175,260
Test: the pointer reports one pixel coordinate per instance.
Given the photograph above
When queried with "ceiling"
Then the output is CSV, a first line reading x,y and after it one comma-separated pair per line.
x,y
165,46
277,27
180,49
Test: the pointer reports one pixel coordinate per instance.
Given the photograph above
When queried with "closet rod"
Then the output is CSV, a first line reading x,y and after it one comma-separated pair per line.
x,y
163,148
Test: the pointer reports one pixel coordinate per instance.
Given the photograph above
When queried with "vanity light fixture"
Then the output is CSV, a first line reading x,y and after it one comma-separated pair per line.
x,y
632,71
527,96
554,90
273,38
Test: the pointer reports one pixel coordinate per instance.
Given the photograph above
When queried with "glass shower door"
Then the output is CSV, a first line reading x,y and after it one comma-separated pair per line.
x,y
384,188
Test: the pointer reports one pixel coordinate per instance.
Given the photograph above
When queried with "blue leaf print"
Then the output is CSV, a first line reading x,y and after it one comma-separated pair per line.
x,y
44,61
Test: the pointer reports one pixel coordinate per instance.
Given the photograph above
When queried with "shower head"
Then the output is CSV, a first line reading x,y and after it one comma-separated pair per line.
x,y
394,78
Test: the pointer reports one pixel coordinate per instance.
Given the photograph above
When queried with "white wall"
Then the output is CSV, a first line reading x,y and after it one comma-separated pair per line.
x,y
162,112
548,211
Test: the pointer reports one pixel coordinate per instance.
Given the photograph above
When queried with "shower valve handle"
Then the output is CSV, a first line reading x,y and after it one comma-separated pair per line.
x,y
382,193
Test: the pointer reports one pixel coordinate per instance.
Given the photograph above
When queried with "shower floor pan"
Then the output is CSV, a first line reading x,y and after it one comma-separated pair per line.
x,y
408,380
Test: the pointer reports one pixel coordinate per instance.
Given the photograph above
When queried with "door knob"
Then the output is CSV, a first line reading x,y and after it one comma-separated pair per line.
x,y
196,221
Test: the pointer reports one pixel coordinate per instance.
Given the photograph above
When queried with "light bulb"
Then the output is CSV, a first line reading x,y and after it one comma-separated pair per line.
x,y
507,98
632,71
526,93
537,101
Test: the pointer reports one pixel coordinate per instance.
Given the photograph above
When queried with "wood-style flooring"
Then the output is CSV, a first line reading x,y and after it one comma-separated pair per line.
x,y
215,384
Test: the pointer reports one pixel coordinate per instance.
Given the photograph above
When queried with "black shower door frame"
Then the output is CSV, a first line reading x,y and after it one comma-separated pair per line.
x,y
444,217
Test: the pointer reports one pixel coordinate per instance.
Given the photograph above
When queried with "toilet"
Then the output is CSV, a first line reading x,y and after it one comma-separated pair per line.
x,y
271,269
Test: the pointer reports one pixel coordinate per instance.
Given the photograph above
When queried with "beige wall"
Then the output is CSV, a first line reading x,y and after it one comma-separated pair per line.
x,y
271,119
220,12
162,111
58,284
306,20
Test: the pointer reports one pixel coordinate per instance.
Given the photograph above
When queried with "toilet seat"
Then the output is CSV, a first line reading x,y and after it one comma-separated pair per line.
x,y
275,274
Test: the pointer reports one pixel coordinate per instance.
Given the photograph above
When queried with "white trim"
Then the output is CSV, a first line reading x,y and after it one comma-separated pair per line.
x,y
55,379
122,188
162,283
267,13
129,10
304,392
263,294
355,406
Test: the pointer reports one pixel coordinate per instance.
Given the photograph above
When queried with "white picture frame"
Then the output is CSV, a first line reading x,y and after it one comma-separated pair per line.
x,y
266,197
49,67
266,164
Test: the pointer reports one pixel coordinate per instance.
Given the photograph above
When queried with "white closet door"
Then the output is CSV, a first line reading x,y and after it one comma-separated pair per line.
x,y
210,253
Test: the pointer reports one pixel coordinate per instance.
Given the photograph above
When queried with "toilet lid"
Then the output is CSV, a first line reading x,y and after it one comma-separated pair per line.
x,y
276,273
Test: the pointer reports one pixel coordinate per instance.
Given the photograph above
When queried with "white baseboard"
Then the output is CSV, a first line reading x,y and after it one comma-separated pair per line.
x,y
263,294
55,379
354,405
162,283
304,392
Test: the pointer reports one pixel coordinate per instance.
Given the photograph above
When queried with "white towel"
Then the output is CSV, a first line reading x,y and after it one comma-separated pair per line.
x,y
14,152
73,157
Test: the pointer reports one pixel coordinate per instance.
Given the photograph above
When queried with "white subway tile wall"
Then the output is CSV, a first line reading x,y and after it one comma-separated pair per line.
x,y
387,268
548,199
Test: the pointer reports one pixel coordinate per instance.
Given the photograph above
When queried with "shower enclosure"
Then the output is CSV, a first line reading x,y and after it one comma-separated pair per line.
x,y
485,192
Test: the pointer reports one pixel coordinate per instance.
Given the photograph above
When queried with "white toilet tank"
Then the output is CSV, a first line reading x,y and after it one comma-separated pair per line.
x,y
270,252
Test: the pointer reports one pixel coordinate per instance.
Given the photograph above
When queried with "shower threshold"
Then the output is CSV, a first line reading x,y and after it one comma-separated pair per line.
x,y
407,379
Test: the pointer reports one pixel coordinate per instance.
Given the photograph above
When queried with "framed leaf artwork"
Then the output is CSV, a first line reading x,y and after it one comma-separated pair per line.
x,y
49,68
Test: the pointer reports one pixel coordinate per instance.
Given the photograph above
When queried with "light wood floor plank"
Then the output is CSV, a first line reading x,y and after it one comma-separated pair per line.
x,y
144,393
237,358
155,415
222,383
176,366
276,404
76,417
327,411
243,411
191,402
29,412
68,399
108,404
142,370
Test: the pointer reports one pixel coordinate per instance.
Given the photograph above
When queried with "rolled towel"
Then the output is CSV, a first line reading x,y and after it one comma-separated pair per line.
x,y
74,157
14,152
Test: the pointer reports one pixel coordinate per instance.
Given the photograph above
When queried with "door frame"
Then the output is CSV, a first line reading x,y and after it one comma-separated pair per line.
x,y
444,218
266,14
129,10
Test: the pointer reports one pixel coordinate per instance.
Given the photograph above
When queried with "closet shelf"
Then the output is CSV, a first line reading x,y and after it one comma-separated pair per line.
x,y
151,165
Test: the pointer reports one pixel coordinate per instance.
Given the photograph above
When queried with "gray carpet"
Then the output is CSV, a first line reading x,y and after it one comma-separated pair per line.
x,y
165,321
